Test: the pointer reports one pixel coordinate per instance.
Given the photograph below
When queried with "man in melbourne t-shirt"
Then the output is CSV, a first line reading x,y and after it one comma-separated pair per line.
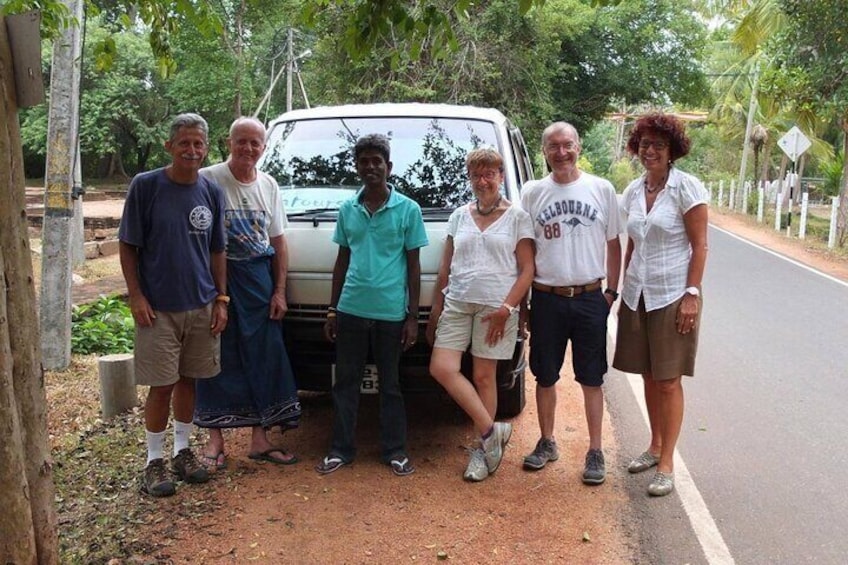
x,y
577,226
172,243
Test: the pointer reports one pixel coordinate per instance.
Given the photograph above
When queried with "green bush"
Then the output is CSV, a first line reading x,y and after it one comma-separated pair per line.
x,y
103,326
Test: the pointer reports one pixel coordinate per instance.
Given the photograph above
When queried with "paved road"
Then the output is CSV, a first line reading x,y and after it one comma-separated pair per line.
x,y
766,427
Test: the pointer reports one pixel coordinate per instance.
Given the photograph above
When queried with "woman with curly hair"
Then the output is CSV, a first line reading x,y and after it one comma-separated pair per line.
x,y
659,318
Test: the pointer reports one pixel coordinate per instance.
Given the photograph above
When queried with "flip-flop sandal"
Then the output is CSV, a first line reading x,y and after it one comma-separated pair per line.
x,y
329,464
217,462
401,466
266,456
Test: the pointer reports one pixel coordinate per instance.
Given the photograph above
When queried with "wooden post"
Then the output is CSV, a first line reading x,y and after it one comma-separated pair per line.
x,y
117,384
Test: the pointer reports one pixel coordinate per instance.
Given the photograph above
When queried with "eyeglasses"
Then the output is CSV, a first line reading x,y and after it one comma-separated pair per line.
x,y
568,146
488,175
658,145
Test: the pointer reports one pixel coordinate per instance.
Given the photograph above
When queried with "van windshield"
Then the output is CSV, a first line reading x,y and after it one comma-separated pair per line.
x,y
312,160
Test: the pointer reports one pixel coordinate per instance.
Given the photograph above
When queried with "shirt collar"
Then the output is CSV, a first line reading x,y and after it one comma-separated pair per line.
x,y
391,201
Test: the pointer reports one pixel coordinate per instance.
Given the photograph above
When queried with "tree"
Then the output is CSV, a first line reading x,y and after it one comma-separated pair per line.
x,y
28,520
809,70
636,52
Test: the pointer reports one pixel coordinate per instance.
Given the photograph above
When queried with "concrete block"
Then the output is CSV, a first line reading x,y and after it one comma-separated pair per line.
x,y
91,250
109,247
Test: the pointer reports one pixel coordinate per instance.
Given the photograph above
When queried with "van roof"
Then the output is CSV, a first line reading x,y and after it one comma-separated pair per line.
x,y
392,110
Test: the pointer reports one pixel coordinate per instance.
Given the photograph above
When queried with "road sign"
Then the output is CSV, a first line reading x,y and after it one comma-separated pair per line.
x,y
794,143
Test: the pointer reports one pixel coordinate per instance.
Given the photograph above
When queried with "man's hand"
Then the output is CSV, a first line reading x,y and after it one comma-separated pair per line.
x,y
409,334
219,317
279,306
141,311
330,329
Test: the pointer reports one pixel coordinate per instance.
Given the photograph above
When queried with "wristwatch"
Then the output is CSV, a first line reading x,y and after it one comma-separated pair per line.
x,y
693,290
613,293
509,308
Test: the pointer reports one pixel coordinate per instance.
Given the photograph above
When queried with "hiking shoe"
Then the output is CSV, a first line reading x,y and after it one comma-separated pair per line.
x,y
546,450
643,462
661,484
155,481
493,446
595,471
477,469
188,468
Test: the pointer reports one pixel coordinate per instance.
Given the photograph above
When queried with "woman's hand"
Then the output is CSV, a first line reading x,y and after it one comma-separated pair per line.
x,y
687,313
496,321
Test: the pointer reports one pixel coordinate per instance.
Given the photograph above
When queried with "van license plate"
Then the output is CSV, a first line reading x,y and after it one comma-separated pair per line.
x,y
370,381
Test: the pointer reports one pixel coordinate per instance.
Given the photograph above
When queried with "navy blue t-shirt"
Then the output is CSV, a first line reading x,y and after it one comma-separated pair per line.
x,y
175,227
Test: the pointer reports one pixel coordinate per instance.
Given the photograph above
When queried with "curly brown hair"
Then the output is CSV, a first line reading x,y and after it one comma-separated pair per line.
x,y
663,125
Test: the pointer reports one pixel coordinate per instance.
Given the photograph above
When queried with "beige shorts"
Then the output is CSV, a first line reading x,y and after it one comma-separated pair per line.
x,y
462,323
648,342
177,344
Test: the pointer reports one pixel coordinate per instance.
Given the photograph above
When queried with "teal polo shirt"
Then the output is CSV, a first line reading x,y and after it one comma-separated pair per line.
x,y
375,286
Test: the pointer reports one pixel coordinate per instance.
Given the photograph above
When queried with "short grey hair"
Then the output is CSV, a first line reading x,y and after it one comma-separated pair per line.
x,y
247,120
559,126
188,120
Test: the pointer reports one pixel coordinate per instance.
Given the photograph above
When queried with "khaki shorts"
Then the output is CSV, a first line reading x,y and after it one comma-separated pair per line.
x,y
178,344
648,342
462,323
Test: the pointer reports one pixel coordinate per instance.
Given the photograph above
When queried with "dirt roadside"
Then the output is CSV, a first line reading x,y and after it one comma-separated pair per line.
x,y
263,513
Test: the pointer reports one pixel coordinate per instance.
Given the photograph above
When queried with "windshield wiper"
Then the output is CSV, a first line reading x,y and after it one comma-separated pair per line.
x,y
431,211
311,212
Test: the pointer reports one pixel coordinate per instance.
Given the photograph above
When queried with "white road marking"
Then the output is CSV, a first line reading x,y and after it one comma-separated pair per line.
x,y
715,550
784,257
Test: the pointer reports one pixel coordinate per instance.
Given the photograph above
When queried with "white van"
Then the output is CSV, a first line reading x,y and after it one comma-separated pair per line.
x,y
310,153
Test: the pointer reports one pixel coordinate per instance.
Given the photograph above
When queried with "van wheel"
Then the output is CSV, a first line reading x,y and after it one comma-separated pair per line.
x,y
511,401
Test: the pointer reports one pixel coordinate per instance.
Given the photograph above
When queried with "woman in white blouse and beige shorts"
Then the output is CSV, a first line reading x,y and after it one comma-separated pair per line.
x,y
659,317
484,276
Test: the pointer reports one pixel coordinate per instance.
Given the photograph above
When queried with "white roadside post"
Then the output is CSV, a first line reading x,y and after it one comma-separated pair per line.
x,y
777,211
760,199
731,199
834,212
720,192
802,228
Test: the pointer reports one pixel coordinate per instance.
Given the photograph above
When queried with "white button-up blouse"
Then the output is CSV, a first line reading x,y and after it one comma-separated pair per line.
x,y
661,250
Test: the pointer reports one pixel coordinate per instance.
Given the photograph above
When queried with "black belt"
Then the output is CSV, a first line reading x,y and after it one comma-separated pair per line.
x,y
568,291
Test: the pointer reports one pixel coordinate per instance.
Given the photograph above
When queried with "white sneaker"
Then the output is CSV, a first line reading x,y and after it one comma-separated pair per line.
x,y
494,445
477,469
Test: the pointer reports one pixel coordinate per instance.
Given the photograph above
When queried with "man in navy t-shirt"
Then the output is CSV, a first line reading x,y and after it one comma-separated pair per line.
x,y
172,243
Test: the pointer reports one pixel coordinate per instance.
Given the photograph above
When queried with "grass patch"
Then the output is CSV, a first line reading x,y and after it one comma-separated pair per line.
x,y
102,515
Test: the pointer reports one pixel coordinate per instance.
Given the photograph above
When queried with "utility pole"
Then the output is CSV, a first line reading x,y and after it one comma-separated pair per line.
x,y
749,126
59,207
289,69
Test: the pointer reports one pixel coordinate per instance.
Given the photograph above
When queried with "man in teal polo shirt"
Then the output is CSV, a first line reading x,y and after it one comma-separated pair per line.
x,y
376,283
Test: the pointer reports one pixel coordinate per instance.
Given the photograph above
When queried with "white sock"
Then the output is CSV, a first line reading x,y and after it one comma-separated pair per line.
x,y
155,445
182,432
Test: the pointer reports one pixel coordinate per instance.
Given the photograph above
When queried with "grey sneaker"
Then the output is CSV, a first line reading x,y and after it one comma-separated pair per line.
x,y
546,450
595,470
494,445
477,469
643,462
188,468
661,484
155,481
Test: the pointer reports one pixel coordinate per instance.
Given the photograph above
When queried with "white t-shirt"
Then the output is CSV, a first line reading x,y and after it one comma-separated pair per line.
x,y
484,266
253,213
572,224
659,264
